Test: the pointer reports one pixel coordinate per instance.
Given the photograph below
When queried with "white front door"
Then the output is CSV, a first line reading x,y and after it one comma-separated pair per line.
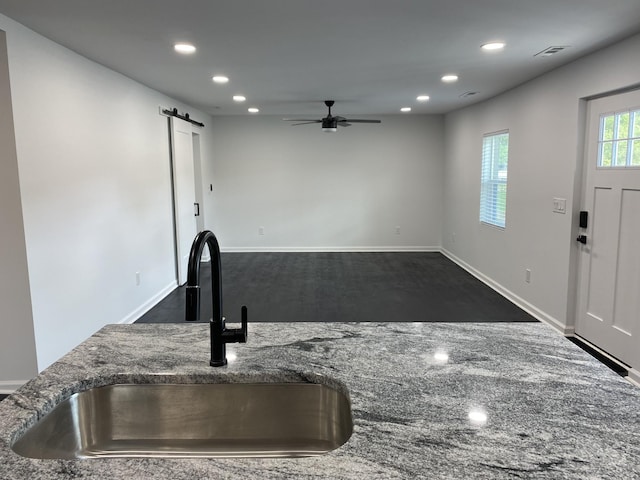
x,y
609,282
184,193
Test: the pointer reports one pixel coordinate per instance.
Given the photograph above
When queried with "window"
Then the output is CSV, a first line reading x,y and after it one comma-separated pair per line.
x,y
493,191
619,140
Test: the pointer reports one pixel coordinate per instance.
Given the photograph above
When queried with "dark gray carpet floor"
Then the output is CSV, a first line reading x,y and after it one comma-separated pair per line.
x,y
345,287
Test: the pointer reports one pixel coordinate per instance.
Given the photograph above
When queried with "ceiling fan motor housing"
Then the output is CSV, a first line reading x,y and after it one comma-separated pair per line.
x,y
329,122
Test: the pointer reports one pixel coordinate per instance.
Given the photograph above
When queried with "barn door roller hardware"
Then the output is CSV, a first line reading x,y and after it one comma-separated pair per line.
x,y
174,113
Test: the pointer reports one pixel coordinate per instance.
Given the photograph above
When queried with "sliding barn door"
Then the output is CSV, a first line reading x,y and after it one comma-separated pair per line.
x,y
184,193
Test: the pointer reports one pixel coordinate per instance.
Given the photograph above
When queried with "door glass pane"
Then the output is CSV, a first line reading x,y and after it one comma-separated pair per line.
x,y
636,124
635,154
621,154
623,125
619,143
605,155
607,128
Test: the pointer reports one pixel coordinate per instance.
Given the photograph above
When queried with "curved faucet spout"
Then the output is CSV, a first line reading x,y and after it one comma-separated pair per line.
x,y
193,276
220,335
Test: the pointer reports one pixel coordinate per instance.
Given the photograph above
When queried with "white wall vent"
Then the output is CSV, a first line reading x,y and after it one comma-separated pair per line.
x,y
547,52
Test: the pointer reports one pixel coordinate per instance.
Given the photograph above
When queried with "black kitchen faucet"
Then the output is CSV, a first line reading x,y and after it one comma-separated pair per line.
x,y
220,335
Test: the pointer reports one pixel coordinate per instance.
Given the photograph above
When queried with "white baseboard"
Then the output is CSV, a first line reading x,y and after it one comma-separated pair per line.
x,y
330,249
532,310
149,304
7,387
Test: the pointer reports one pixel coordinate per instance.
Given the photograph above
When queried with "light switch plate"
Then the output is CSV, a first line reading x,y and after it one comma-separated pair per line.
x,y
560,205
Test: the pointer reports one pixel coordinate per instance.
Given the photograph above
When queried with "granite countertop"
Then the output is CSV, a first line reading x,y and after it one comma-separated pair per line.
x,y
552,411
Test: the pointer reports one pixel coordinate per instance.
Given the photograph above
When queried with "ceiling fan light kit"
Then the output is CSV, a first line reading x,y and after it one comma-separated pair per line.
x,y
330,123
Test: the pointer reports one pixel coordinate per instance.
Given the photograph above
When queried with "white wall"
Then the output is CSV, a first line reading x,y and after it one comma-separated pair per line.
x,y
17,345
545,119
319,191
93,160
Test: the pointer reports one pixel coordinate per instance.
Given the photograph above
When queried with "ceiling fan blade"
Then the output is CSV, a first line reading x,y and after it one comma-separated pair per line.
x,y
306,123
356,120
315,120
343,123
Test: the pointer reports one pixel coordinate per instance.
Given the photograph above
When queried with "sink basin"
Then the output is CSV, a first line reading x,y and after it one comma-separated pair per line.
x,y
193,420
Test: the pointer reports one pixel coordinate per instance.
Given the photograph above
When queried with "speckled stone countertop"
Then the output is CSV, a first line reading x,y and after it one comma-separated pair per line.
x,y
551,410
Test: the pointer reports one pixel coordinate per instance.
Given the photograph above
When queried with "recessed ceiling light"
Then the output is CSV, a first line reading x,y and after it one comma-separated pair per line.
x,y
405,109
185,48
450,78
239,98
220,79
422,98
253,110
493,46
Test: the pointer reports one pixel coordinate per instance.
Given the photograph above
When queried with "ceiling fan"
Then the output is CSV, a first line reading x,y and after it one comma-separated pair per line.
x,y
330,123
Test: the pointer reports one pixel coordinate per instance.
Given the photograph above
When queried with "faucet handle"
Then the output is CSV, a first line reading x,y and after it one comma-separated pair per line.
x,y
237,335
243,327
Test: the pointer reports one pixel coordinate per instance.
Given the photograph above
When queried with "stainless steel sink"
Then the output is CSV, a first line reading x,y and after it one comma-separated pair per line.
x,y
193,420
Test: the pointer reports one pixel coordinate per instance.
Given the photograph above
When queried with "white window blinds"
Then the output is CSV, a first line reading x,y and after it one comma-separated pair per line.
x,y
493,191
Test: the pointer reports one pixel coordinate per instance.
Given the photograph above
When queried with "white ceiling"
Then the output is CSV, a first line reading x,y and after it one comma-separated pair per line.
x,y
287,56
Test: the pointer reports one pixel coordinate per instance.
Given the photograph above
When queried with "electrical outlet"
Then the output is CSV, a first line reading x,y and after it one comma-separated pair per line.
x,y
260,230
397,230
527,275
137,278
